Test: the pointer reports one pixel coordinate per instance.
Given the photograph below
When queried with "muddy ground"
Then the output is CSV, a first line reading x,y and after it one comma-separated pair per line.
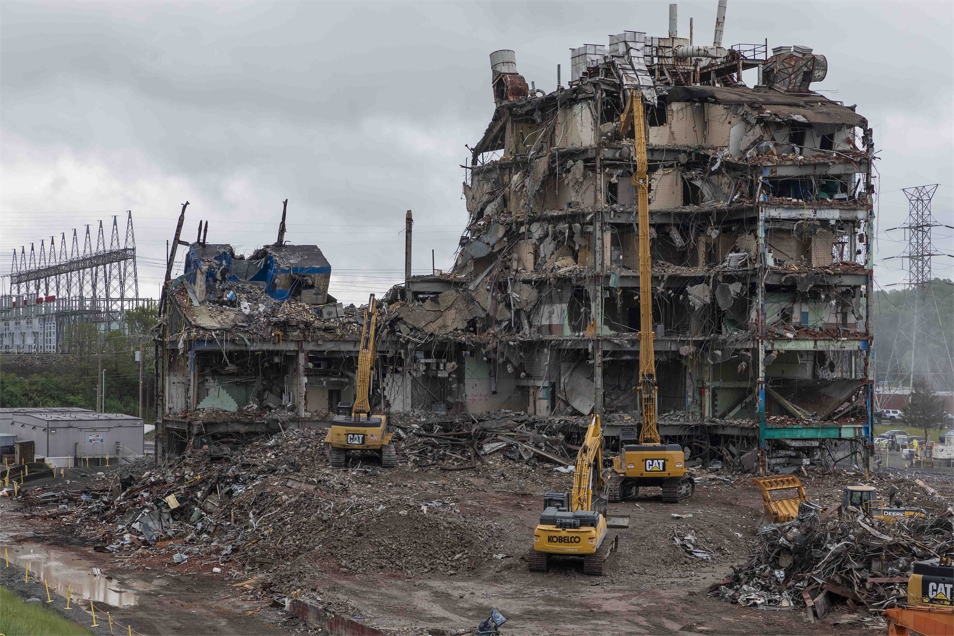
x,y
418,566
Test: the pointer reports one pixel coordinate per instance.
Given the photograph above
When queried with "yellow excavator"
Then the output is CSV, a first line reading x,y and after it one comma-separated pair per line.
x,y
574,523
360,430
644,461
930,602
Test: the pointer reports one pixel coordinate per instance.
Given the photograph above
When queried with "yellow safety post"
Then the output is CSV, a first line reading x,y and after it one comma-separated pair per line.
x,y
110,619
16,489
87,462
92,611
26,578
47,586
107,459
6,557
129,627
26,469
68,596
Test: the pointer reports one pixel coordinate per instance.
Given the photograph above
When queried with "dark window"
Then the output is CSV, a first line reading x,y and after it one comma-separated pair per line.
x,y
657,115
828,142
797,135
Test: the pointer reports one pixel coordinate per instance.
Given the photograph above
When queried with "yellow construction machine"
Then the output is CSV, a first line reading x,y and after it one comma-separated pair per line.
x,y
863,498
930,607
361,431
574,523
784,495
647,462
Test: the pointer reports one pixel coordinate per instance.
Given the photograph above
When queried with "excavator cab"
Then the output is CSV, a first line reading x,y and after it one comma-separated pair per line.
x,y
859,497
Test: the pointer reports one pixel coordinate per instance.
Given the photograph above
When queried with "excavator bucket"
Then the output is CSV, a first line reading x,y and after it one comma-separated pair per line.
x,y
781,497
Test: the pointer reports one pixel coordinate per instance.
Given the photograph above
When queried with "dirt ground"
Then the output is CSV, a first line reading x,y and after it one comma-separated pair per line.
x,y
651,587
445,548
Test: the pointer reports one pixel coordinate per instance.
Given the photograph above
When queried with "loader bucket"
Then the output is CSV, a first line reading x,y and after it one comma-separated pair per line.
x,y
781,497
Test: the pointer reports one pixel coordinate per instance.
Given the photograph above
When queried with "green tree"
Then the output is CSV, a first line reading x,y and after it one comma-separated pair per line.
x,y
82,338
140,321
926,408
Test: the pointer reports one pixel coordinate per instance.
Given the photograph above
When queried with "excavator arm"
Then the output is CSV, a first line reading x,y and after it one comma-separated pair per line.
x,y
589,466
362,389
649,434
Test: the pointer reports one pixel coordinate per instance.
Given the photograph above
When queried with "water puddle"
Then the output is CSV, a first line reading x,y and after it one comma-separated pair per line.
x,y
61,570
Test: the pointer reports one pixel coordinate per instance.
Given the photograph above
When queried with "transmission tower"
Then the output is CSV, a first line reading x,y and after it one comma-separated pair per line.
x,y
920,348
51,289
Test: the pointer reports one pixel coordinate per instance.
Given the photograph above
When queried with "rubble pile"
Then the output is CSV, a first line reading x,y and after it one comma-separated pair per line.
x,y
242,311
278,506
465,441
858,559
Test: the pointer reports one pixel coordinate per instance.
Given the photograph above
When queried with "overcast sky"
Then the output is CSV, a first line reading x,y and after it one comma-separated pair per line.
x,y
358,112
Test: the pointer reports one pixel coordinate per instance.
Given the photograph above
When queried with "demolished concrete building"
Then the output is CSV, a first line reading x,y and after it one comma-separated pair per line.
x,y
761,205
761,212
251,345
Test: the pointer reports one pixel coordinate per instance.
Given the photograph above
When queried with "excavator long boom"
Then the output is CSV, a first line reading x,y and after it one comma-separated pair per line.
x,y
649,433
362,389
589,468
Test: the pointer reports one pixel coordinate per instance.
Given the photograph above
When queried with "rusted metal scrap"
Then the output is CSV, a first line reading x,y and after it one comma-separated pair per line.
x,y
810,561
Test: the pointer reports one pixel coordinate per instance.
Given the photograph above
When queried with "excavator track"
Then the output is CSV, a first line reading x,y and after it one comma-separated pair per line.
x,y
339,457
593,563
537,560
388,456
675,490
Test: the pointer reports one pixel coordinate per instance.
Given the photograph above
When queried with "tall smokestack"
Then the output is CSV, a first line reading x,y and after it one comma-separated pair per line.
x,y
720,24
408,224
673,20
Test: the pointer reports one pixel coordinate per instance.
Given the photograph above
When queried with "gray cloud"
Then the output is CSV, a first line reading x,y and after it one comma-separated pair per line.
x,y
359,111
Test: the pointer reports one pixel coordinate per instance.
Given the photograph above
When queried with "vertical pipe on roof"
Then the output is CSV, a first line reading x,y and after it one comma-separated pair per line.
x,y
673,20
720,23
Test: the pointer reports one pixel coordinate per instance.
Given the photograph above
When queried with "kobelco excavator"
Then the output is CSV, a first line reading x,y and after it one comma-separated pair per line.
x,y
574,523
361,431
647,462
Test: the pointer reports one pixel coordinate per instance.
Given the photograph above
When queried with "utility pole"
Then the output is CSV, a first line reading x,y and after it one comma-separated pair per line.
x,y
408,225
104,392
142,358
99,378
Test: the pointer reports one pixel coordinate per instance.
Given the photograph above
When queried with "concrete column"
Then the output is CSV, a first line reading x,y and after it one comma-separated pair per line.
x,y
301,380
598,257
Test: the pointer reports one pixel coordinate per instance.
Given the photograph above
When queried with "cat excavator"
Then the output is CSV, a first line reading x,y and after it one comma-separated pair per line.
x,y
574,523
929,608
643,461
360,430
